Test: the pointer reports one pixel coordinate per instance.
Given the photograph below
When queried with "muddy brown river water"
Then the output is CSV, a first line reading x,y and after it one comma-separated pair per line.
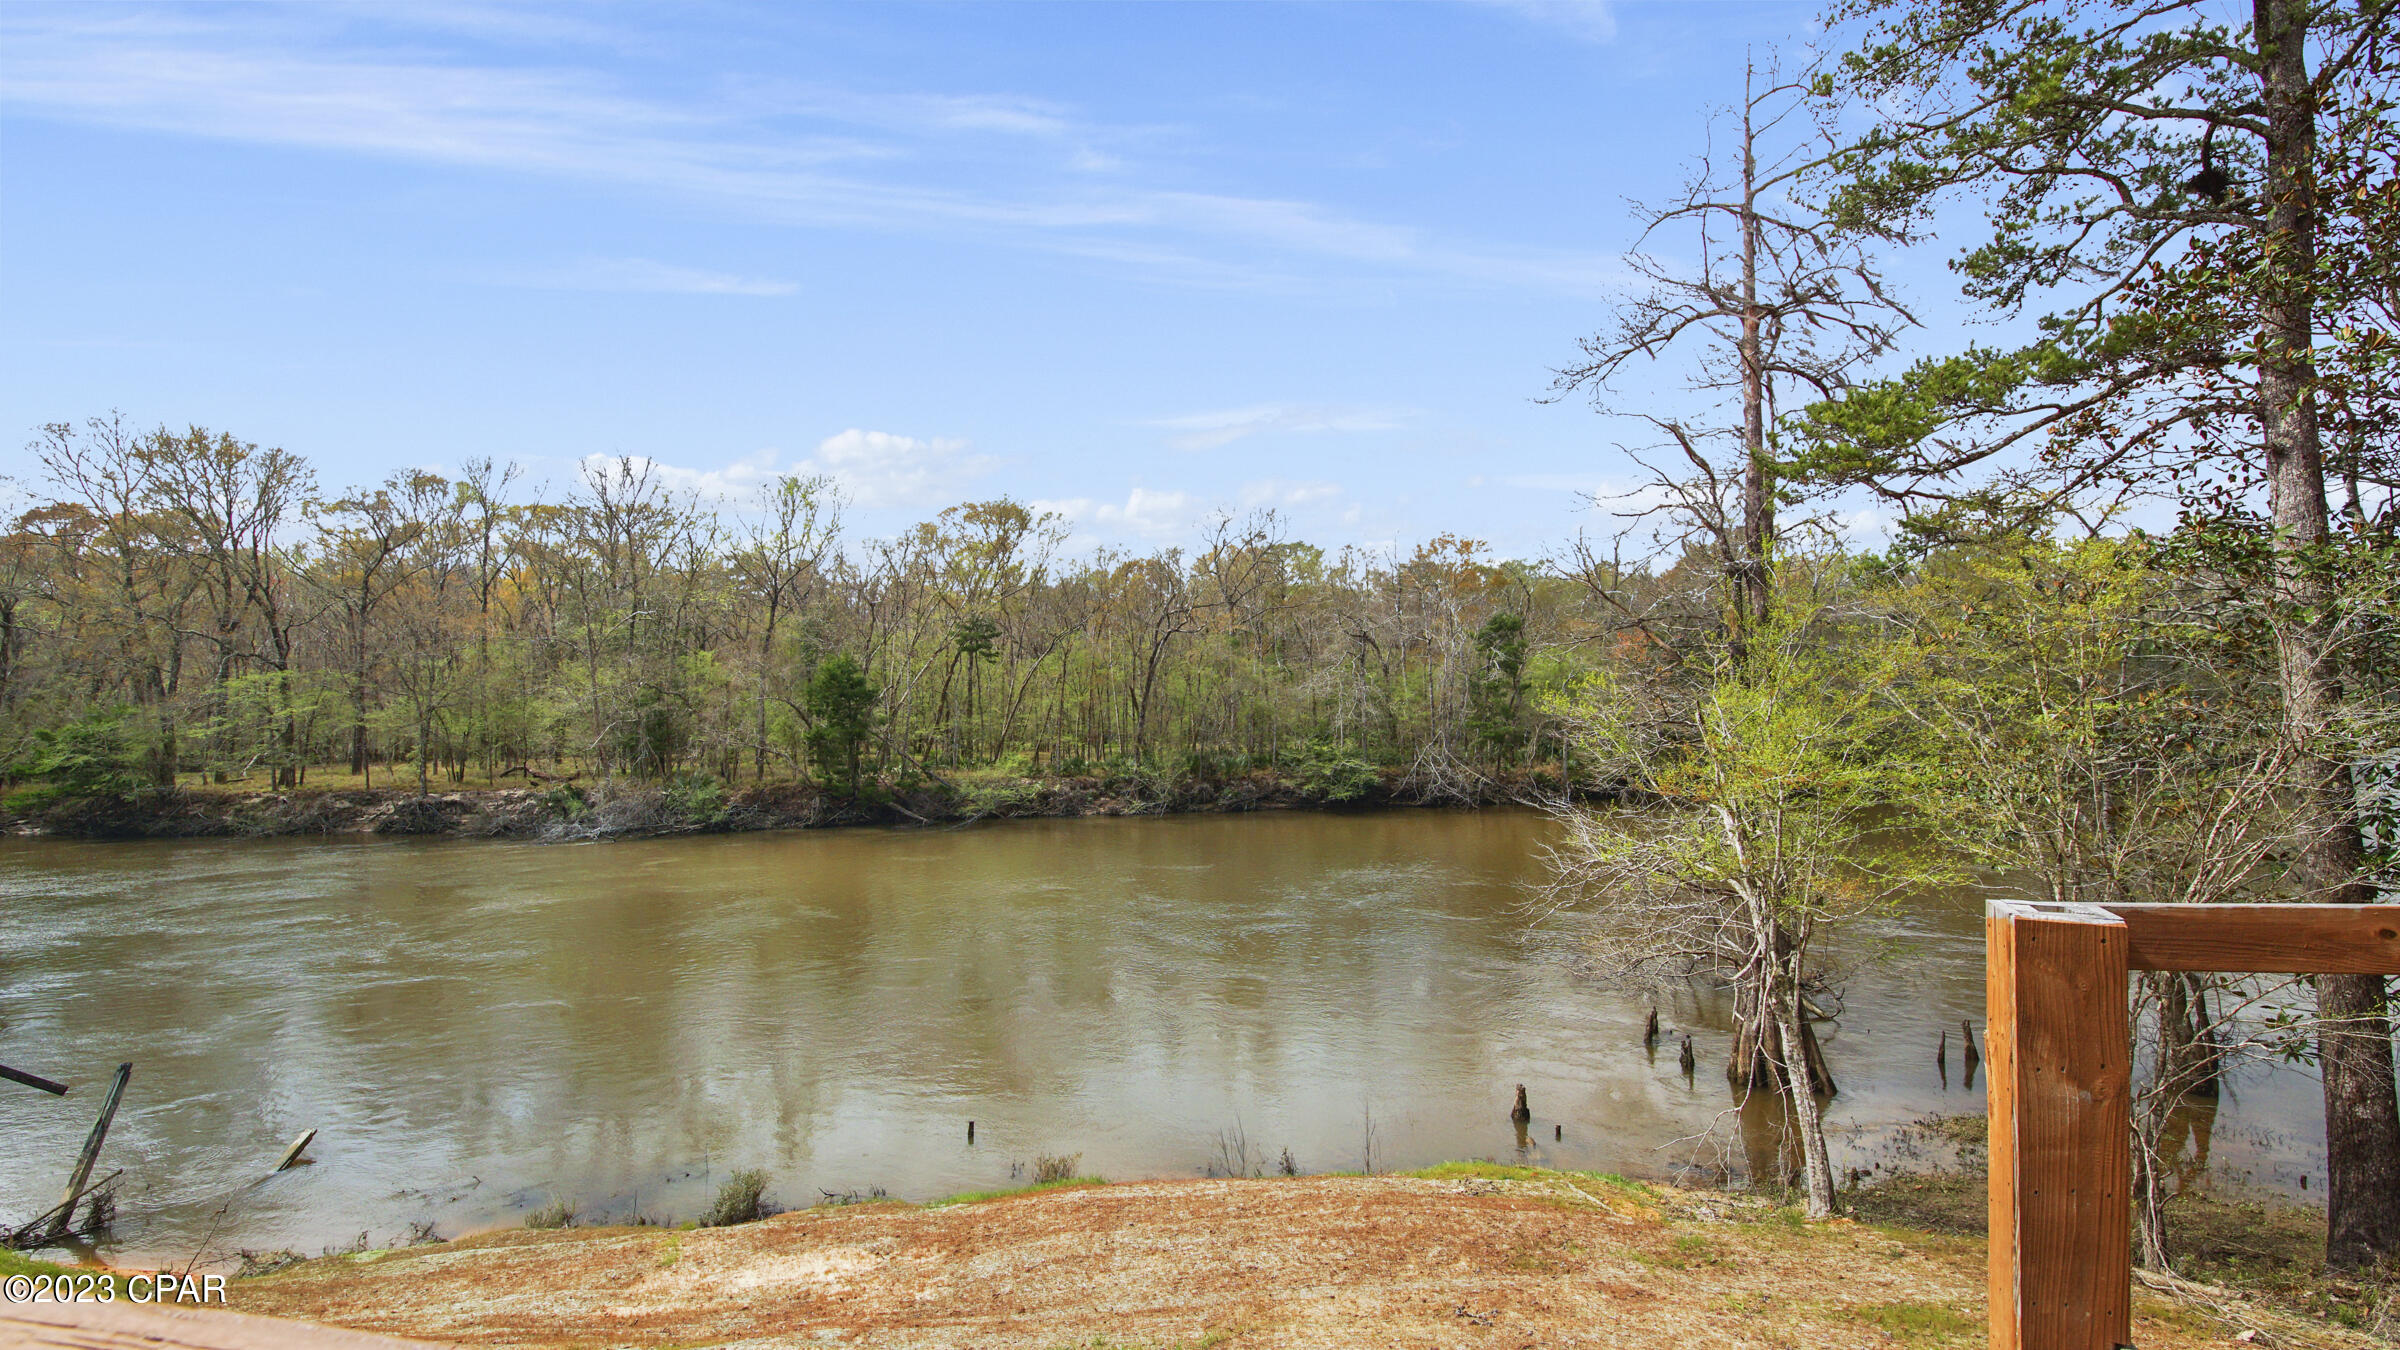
x,y
479,1029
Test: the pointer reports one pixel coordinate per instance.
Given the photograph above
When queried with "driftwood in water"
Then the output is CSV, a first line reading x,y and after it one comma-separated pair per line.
x,y
1687,1058
1967,1033
91,1151
1520,1113
37,1231
970,1132
33,1080
291,1155
1650,1031
1558,1132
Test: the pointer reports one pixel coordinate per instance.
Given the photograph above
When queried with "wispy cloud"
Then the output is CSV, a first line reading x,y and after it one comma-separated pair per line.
x,y
1583,20
790,155
1284,494
644,275
1208,430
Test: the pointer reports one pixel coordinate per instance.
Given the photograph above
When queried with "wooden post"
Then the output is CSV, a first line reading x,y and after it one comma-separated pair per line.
x,y
91,1151
2060,1053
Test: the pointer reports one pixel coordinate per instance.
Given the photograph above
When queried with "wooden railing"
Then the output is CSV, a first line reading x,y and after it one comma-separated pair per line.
x,y
2060,1055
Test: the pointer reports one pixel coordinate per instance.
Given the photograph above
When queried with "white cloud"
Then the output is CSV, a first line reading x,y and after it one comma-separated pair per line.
x,y
879,469
1284,494
1206,431
643,275
874,469
1147,512
735,479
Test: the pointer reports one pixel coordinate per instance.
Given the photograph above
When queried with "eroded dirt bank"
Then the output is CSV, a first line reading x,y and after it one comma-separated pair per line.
x,y
1461,1256
640,810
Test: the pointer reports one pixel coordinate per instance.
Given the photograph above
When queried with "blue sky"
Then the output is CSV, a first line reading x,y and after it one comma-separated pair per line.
x,y
1133,262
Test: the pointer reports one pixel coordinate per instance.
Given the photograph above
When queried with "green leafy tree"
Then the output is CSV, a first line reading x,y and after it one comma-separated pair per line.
x,y
2107,140
1756,813
1496,691
841,704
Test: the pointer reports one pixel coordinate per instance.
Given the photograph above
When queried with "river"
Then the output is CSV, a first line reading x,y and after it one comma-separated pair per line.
x,y
478,1029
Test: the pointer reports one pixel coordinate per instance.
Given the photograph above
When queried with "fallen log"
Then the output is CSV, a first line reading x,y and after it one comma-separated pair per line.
x,y
33,1080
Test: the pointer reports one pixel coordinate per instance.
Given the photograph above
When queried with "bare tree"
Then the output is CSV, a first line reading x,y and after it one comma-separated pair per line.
x,y
1770,294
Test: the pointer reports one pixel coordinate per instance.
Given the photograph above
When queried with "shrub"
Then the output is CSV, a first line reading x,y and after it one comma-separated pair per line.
x,y
557,1214
738,1200
697,797
1050,1168
1327,773
567,802
93,756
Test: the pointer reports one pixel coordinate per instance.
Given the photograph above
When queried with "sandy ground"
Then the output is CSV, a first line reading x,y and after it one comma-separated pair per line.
x,y
1456,1259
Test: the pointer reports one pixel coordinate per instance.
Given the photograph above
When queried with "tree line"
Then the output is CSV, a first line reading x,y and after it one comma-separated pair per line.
x,y
188,606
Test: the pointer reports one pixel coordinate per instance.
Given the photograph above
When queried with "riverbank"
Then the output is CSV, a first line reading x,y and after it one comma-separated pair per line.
x,y
1458,1255
627,809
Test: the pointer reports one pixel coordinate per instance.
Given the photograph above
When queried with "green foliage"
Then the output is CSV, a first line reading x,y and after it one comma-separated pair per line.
x,y
97,755
2080,727
1496,691
841,704
1330,775
656,735
568,802
697,797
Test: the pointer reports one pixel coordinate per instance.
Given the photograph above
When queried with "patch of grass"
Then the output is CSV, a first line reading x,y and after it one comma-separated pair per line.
x,y
1687,1252
2228,1241
1790,1217
739,1200
670,1252
1955,1202
14,1264
1207,1342
1919,1323
1479,1171
979,1197
1055,1167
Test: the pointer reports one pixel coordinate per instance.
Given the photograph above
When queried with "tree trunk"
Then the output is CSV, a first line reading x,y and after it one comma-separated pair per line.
x,y
1795,1060
2187,1056
1755,1063
2354,1038
1751,581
